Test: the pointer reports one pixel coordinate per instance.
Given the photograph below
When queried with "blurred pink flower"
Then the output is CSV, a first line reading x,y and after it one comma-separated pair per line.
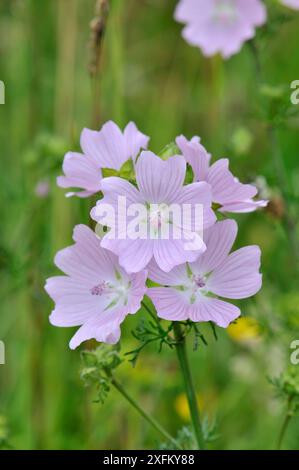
x,y
291,3
220,26
96,292
227,191
161,183
42,189
191,290
107,148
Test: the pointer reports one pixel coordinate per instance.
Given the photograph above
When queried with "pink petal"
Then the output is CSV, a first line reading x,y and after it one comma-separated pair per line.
x,y
225,186
196,155
218,311
134,255
172,305
170,253
168,303
159,181
243,206
134,140
86,260
198,193
104,328
238,276
81,172
219,240
74,306
115,188
177,276
106,147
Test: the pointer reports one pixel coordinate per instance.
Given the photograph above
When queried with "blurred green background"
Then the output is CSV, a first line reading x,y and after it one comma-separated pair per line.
x,y
147,74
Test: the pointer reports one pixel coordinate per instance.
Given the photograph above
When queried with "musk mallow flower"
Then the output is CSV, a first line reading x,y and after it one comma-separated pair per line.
x,y
291,3
227,191
160,188
96,293
107,148
195,291
220,26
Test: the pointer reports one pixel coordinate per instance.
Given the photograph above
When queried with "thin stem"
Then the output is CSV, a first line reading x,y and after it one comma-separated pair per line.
x,y
144,414
190,392
154,317
285,423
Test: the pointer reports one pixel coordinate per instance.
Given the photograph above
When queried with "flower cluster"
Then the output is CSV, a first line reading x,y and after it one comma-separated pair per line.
x,y
106,277
222,26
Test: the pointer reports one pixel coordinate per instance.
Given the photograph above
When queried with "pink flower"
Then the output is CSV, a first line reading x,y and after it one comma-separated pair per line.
x,y
96,292
291,3
220,26
227,191
192,290
160,183
42,189
107,148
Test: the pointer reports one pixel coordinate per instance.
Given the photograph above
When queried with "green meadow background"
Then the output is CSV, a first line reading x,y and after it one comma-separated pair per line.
x,y
147,74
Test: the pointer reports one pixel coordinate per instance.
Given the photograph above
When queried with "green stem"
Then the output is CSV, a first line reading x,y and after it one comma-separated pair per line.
x,y
154,317
285,423
144,414
190,392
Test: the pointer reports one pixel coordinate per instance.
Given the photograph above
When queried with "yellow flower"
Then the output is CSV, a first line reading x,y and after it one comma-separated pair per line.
x,y
205,401
244,330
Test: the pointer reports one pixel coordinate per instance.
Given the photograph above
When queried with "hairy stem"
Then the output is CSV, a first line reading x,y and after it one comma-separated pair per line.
x,y
189,387
144,414
285,423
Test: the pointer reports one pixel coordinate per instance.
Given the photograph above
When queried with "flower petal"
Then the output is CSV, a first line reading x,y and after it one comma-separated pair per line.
x,y
171,253
80,171
218,311
219,240
177,276
160,181
238,276
196,155
134,140
168,303
86,261
107,146
134,255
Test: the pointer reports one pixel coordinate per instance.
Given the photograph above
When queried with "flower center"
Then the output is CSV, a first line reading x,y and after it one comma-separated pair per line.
x,y
225,11
113,293
199,282
99,289
158,216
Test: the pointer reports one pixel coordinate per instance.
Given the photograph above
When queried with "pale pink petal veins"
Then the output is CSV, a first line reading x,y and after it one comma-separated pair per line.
x,y
196,155
175,277
106,147
170,253
219,240
134,140
158,180
237,277
81,172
